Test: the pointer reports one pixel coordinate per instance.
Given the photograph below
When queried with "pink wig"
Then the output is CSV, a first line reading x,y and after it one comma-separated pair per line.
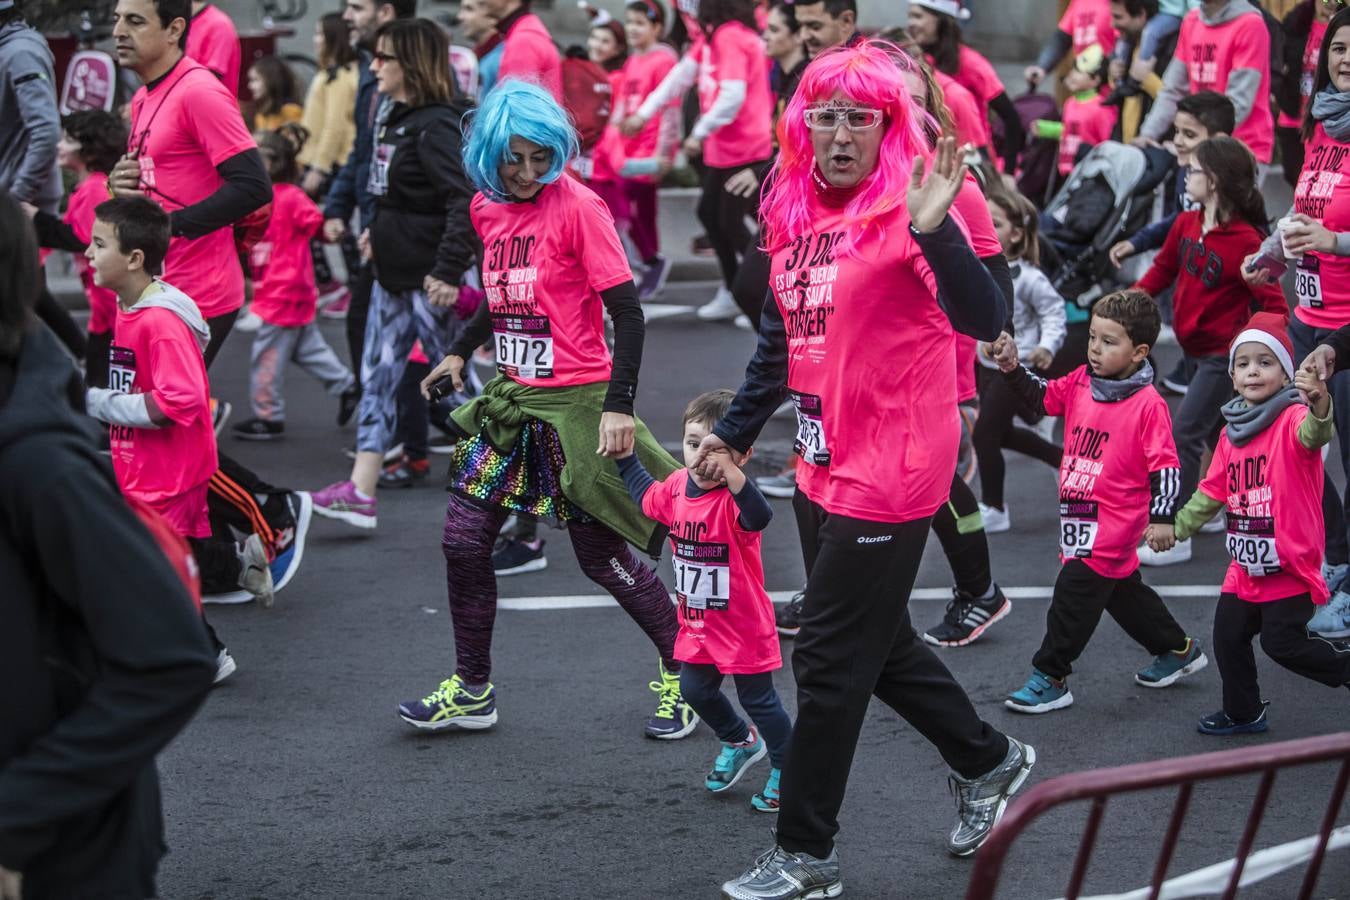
x,y
870,75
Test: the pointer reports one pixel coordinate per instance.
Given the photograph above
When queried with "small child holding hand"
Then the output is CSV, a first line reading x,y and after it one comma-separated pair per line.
x,y
1267,473
726,618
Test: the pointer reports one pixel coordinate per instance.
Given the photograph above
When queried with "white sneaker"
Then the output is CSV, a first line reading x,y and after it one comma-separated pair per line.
x,y
255,575
1216,525
996,521
1178,554
248,323
743,322
722,307
224,666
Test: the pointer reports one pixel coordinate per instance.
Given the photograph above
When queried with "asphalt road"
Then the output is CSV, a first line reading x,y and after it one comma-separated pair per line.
x,y
297,779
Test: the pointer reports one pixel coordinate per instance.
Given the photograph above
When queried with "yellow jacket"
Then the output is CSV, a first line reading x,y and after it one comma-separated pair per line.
x,y
330,107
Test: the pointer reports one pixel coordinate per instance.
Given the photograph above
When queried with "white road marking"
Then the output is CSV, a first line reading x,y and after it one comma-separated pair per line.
x,y
656,311
596,601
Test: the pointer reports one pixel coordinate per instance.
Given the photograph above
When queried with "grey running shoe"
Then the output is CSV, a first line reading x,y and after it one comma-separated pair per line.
x,y
782,485
980,801
780,875
255,575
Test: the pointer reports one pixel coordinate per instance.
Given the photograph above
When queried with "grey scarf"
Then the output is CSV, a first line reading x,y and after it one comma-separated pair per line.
x,y
1332,108
1246,422
1114,390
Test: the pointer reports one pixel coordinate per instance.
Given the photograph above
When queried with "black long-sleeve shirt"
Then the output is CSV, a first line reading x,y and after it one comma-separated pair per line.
x,y
754,514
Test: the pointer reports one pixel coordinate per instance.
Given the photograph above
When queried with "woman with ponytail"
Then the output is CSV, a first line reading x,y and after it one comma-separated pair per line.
x,y
1203,258
871,278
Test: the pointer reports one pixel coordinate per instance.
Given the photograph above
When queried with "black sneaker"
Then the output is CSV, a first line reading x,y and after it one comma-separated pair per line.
x,y
967,619
517,558
259,430
347,403
1220,723
788,616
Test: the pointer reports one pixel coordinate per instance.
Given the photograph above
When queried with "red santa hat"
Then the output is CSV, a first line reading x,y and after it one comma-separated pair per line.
x,y
1271,331
954,8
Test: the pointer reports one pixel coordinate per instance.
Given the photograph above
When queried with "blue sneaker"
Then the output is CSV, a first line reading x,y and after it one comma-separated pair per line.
x,y
1220,723
290,544
673,719
1333,619
451,706
1334,575
1169,668
767,799
732,762
1040,694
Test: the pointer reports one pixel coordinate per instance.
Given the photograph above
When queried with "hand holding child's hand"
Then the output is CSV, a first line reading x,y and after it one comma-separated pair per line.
x,y
728,462
1314,387
1005,353
1160,538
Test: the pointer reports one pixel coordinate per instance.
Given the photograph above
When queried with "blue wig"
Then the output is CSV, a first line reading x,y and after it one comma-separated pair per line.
x,y
515,108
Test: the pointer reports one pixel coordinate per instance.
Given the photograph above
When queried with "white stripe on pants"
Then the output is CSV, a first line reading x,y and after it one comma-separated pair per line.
x,y
276,345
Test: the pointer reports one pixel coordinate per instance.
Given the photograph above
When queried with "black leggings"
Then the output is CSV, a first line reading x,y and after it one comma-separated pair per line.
x,y
723,217
751,287
959,529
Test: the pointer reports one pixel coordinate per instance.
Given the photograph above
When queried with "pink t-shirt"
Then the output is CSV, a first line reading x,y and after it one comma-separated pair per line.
x,y
1271,488
1109,451
726,618
1311,48
155,352
284,291
970,121
544,265
1088,22
183,129
642,73
976,74
736,53
529,53
1212,52
870,363
213,42
1085,122
1322,280
80,217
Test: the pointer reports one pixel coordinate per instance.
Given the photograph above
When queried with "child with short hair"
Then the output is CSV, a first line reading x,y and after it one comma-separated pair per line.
x,y
157,404
1085,121
1267,472
1119,473
285,298
726,618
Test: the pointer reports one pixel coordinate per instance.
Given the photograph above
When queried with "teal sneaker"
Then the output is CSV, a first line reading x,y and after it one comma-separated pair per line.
x,y
1040,694
1333,619
673,719
1169,668
451,706
733,762
767,799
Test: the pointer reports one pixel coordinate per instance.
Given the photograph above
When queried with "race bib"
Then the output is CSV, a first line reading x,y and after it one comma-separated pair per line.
x,y
1308,283
702,574
524,346
260,254
1077,528
121,369
1251,543
811,443
378,182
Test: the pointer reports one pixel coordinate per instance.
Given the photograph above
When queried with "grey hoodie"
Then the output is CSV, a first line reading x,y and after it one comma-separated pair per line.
x,y
1242,83
30,124
175,301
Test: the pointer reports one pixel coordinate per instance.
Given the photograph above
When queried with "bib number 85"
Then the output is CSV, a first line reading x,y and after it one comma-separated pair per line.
x,y
1076,537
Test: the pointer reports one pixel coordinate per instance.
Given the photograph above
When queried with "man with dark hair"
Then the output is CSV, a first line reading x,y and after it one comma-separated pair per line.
x,y
213,42
103,656
1138,82
827,23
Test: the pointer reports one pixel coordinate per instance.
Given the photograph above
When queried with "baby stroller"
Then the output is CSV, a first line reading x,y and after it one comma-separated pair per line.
x,y
1106,197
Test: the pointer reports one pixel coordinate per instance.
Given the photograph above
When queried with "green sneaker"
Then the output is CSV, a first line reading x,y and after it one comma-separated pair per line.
x,y
733,761
451,706
673,718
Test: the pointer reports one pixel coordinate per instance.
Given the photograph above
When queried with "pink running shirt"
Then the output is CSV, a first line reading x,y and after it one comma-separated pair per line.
x,y
1085,122
1311,48
1271,488
970,121
977,75
871,358
736,53
528,53
545,263
1212,52
80,217
1322,280
1109,451
213,42
155,352
726,618
284,291
1088,22
642,73
182,130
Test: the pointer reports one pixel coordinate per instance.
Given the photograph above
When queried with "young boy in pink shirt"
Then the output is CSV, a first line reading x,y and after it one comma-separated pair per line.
x,y
1085,121
157,404
1267,474
726,618
1119,476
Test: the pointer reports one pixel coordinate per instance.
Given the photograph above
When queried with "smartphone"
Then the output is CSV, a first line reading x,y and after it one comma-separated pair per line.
x,y
441,388
1273,266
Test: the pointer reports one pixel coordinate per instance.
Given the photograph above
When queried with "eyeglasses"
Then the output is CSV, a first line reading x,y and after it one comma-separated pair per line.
x,y
383,58
854,118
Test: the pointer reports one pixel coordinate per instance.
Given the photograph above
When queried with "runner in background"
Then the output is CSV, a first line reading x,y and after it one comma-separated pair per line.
x,y
213,42
528,52
1084,23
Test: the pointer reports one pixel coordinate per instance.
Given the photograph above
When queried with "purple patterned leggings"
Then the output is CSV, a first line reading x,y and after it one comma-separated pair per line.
x,y
470,532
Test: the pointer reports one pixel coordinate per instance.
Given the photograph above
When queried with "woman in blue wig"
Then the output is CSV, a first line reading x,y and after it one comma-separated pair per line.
x,y
552,266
